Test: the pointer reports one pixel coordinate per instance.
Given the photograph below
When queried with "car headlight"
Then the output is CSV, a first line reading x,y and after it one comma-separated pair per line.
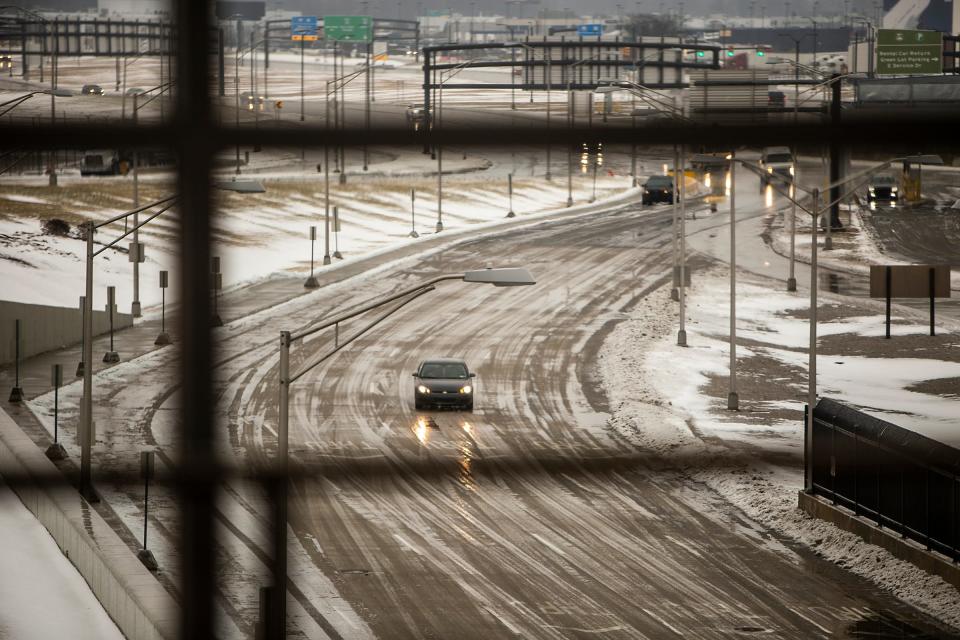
x,y
769,169
466,389
893,189
423,389
791,170
871,189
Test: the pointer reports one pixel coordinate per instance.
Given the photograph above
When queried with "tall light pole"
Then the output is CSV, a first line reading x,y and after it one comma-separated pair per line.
x,y
439,147
674,291
796,71
86,401
792,278
682,333
733,398
509,277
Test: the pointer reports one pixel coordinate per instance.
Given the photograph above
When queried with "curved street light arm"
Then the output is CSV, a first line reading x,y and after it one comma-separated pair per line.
x,y
137,210
373,305
371,325
146,221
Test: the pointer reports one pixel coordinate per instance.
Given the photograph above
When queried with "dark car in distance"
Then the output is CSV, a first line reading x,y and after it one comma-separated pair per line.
x,y
883,188
443,382
658,189
91,90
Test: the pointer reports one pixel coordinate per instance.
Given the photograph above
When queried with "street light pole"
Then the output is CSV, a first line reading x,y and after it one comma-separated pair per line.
x,y
549,81
792,279
439,188
812,349
301,78
86,403
682,333
674,291
733,398
569,146
135,309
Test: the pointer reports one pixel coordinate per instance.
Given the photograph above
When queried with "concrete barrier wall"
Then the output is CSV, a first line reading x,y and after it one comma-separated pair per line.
x,y
44,328
900,547
131,595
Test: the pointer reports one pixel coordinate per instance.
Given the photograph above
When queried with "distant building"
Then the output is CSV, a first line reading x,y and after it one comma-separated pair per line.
x,y
134,7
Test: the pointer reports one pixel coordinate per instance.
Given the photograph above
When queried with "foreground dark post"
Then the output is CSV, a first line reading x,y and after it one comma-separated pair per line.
x,y
56,451
146,471
197,474
510,213
933,330
16,394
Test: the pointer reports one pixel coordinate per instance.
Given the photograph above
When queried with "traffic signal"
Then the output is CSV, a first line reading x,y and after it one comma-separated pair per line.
x,y
730,53
761,53
700,54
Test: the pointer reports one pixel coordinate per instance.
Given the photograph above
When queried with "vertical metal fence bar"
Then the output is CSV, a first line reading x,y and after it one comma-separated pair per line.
x,y
856,472
903,515
198,475
833,462
953,518
926,507
879,466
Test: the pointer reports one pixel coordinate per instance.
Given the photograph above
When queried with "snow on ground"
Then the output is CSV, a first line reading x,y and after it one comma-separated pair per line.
x,y
255,236
854,250
43,596
667,399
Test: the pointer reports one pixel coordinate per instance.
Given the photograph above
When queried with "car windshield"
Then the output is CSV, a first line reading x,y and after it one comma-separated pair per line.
x,y
883,181
660,181
444,370
779,157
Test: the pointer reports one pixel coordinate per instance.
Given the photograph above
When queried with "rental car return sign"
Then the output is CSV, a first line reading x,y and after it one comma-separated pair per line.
x,y
904,52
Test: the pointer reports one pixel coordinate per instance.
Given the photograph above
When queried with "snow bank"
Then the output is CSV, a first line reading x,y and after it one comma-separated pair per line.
x,y
659,401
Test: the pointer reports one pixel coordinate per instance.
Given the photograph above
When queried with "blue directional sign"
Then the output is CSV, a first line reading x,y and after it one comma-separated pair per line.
x,y
590,30
303,28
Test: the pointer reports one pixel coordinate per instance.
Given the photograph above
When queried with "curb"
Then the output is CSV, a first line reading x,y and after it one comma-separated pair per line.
x,y
131,595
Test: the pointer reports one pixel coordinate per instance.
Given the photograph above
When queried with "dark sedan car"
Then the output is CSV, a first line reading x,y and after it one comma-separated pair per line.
x,y
658,189
883,188
91,90
443,382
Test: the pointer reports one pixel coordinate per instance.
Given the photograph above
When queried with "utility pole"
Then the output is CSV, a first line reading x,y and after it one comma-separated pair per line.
x,y
682,333
733,398
835,156
135,309
302,98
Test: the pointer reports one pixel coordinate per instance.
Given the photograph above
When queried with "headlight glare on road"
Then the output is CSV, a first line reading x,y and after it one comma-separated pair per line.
x,y
466,389
423,389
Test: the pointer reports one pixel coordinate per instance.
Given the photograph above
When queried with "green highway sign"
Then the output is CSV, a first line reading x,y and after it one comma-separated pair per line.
x,y
905,52
348,28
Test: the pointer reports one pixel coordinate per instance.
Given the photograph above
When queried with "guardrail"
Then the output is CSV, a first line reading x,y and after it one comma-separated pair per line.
x,y
899,479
